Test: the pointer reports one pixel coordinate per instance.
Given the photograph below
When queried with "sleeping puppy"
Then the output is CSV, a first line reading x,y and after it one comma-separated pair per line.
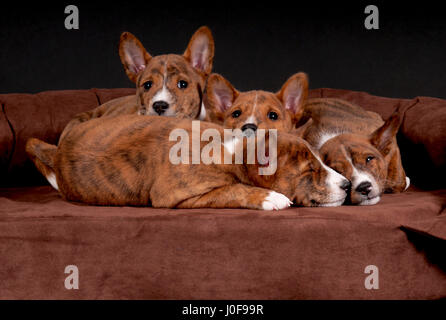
x,y
132,160
167,85
359,145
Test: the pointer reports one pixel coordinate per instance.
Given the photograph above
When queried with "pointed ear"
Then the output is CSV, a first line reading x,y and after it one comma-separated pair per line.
x,y
133,56
200,51
294,93
302,130
383,137
219,95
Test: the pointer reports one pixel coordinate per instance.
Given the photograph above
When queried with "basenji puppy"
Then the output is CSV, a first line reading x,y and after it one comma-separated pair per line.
x,y
359,145
126,160
166,85
255,109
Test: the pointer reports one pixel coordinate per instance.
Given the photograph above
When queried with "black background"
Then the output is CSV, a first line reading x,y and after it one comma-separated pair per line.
x,y
258,45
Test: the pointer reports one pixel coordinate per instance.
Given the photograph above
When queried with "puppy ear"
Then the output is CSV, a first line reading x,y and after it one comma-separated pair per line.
x,y
301,131
200,51
294,93
133,56
219,96
383,137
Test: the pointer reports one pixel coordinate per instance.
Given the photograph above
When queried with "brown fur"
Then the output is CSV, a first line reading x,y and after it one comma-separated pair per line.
x,y
362,134
125,161
222,100
193,66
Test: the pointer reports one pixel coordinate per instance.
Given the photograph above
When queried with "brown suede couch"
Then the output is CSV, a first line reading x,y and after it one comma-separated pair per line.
x,y
147,253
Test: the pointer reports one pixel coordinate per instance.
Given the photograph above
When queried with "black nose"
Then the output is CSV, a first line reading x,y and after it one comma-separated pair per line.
x,y
364,188
346,185
247,126
160,107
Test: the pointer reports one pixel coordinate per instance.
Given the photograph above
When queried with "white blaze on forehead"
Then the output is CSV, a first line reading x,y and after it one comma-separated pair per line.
x,y
164,94
360,176
252,118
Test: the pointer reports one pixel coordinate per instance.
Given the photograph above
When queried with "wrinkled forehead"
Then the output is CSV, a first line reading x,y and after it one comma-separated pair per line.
x,y
169,65
257,98
346,146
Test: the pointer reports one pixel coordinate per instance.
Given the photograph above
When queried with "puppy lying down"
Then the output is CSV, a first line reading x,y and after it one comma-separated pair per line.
x,y
134,160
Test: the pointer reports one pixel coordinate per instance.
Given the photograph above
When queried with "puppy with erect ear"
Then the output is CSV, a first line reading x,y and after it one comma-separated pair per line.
x,y
384,139
199,53
293,95
256,109
169,85
166,85
134,56
370,161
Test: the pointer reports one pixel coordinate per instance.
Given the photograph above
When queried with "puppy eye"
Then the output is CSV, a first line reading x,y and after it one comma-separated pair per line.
x,y
236,114
369,158
147,85
182,84
272,115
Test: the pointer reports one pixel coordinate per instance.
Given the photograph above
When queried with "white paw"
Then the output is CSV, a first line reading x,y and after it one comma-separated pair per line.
x,y
407,183
275,201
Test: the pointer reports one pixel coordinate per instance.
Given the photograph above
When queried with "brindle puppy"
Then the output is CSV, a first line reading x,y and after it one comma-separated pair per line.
x,y
256,109
168,85
359,145
126,161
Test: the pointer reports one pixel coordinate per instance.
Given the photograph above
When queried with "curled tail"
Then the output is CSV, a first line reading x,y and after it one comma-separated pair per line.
x,y
42,154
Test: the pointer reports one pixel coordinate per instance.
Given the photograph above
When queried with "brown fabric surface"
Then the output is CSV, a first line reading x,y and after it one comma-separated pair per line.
x,y
425,124
146,253
382,105
6,142
433,227
43,116
105,95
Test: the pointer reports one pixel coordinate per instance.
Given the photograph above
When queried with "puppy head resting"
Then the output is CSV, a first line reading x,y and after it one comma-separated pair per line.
x,y
300,174
372,163
169,85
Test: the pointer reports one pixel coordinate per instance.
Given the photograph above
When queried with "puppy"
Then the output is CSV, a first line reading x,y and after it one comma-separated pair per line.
x,y
166,85
127,160
256,109
359,145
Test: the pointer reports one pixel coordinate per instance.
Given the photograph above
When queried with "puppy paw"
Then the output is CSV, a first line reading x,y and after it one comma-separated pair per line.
x,y
275,201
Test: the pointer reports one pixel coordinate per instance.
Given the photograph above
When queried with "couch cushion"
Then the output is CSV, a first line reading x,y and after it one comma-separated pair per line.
x,y
44,116
6,142
147,253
